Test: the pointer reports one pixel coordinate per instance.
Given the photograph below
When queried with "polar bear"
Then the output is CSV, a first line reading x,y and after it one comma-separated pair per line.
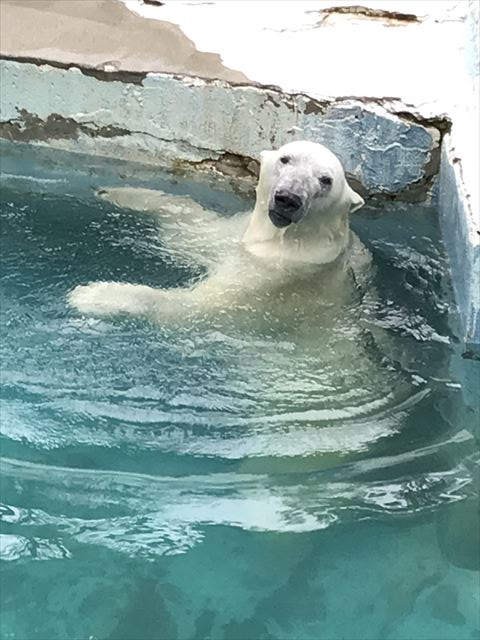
x,y
288,288
297,233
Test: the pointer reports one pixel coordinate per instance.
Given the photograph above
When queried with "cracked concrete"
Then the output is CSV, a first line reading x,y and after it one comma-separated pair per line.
x,y
462,240
177,120
385,16
28,127
184,108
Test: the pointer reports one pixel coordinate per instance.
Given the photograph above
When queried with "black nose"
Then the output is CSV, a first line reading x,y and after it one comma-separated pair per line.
x,y
287,201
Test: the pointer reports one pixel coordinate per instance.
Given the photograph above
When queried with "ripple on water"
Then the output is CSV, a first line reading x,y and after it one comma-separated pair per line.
x,y
139,438
154,515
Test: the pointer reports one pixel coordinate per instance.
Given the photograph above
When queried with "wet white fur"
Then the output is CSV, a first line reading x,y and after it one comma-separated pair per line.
x,y
249,260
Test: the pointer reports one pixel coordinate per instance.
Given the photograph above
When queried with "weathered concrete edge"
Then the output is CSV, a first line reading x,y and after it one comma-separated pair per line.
x,y
462,240
100,113
364,132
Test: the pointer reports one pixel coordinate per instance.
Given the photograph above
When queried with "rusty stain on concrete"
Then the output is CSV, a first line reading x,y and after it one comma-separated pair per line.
x,y
28,127
385,17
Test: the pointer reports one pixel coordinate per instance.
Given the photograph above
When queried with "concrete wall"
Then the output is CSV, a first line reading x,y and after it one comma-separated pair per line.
x,y
459,202
173,120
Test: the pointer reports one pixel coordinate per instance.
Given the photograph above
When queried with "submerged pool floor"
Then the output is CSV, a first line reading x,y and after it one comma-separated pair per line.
x,y
222,479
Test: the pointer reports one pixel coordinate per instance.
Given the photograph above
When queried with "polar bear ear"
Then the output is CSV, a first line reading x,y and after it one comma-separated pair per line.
x,y
265,156
356,201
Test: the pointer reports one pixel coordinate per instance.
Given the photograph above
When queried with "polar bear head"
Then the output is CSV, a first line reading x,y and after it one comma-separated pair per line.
x,y
306,179
303,196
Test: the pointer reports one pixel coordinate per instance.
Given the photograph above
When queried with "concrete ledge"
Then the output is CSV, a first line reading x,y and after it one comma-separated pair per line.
x,y
214,125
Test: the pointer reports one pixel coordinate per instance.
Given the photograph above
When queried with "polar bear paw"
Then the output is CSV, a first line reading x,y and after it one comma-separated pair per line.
x,y
105,298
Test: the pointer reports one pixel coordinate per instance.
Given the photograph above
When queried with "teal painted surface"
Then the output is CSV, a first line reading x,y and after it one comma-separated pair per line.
x,y
130,509
462,242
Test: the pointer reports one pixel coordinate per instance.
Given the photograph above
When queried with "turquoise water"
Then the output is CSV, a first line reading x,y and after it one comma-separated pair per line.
x,y
216,481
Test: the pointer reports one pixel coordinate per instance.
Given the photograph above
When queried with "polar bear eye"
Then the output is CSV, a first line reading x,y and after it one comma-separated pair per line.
x,y
325,181
284,159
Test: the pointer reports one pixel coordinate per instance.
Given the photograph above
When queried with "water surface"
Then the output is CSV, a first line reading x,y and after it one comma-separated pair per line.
x,y
222,481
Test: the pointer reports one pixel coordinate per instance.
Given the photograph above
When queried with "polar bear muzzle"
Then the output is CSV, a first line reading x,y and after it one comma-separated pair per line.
x,y
286,207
